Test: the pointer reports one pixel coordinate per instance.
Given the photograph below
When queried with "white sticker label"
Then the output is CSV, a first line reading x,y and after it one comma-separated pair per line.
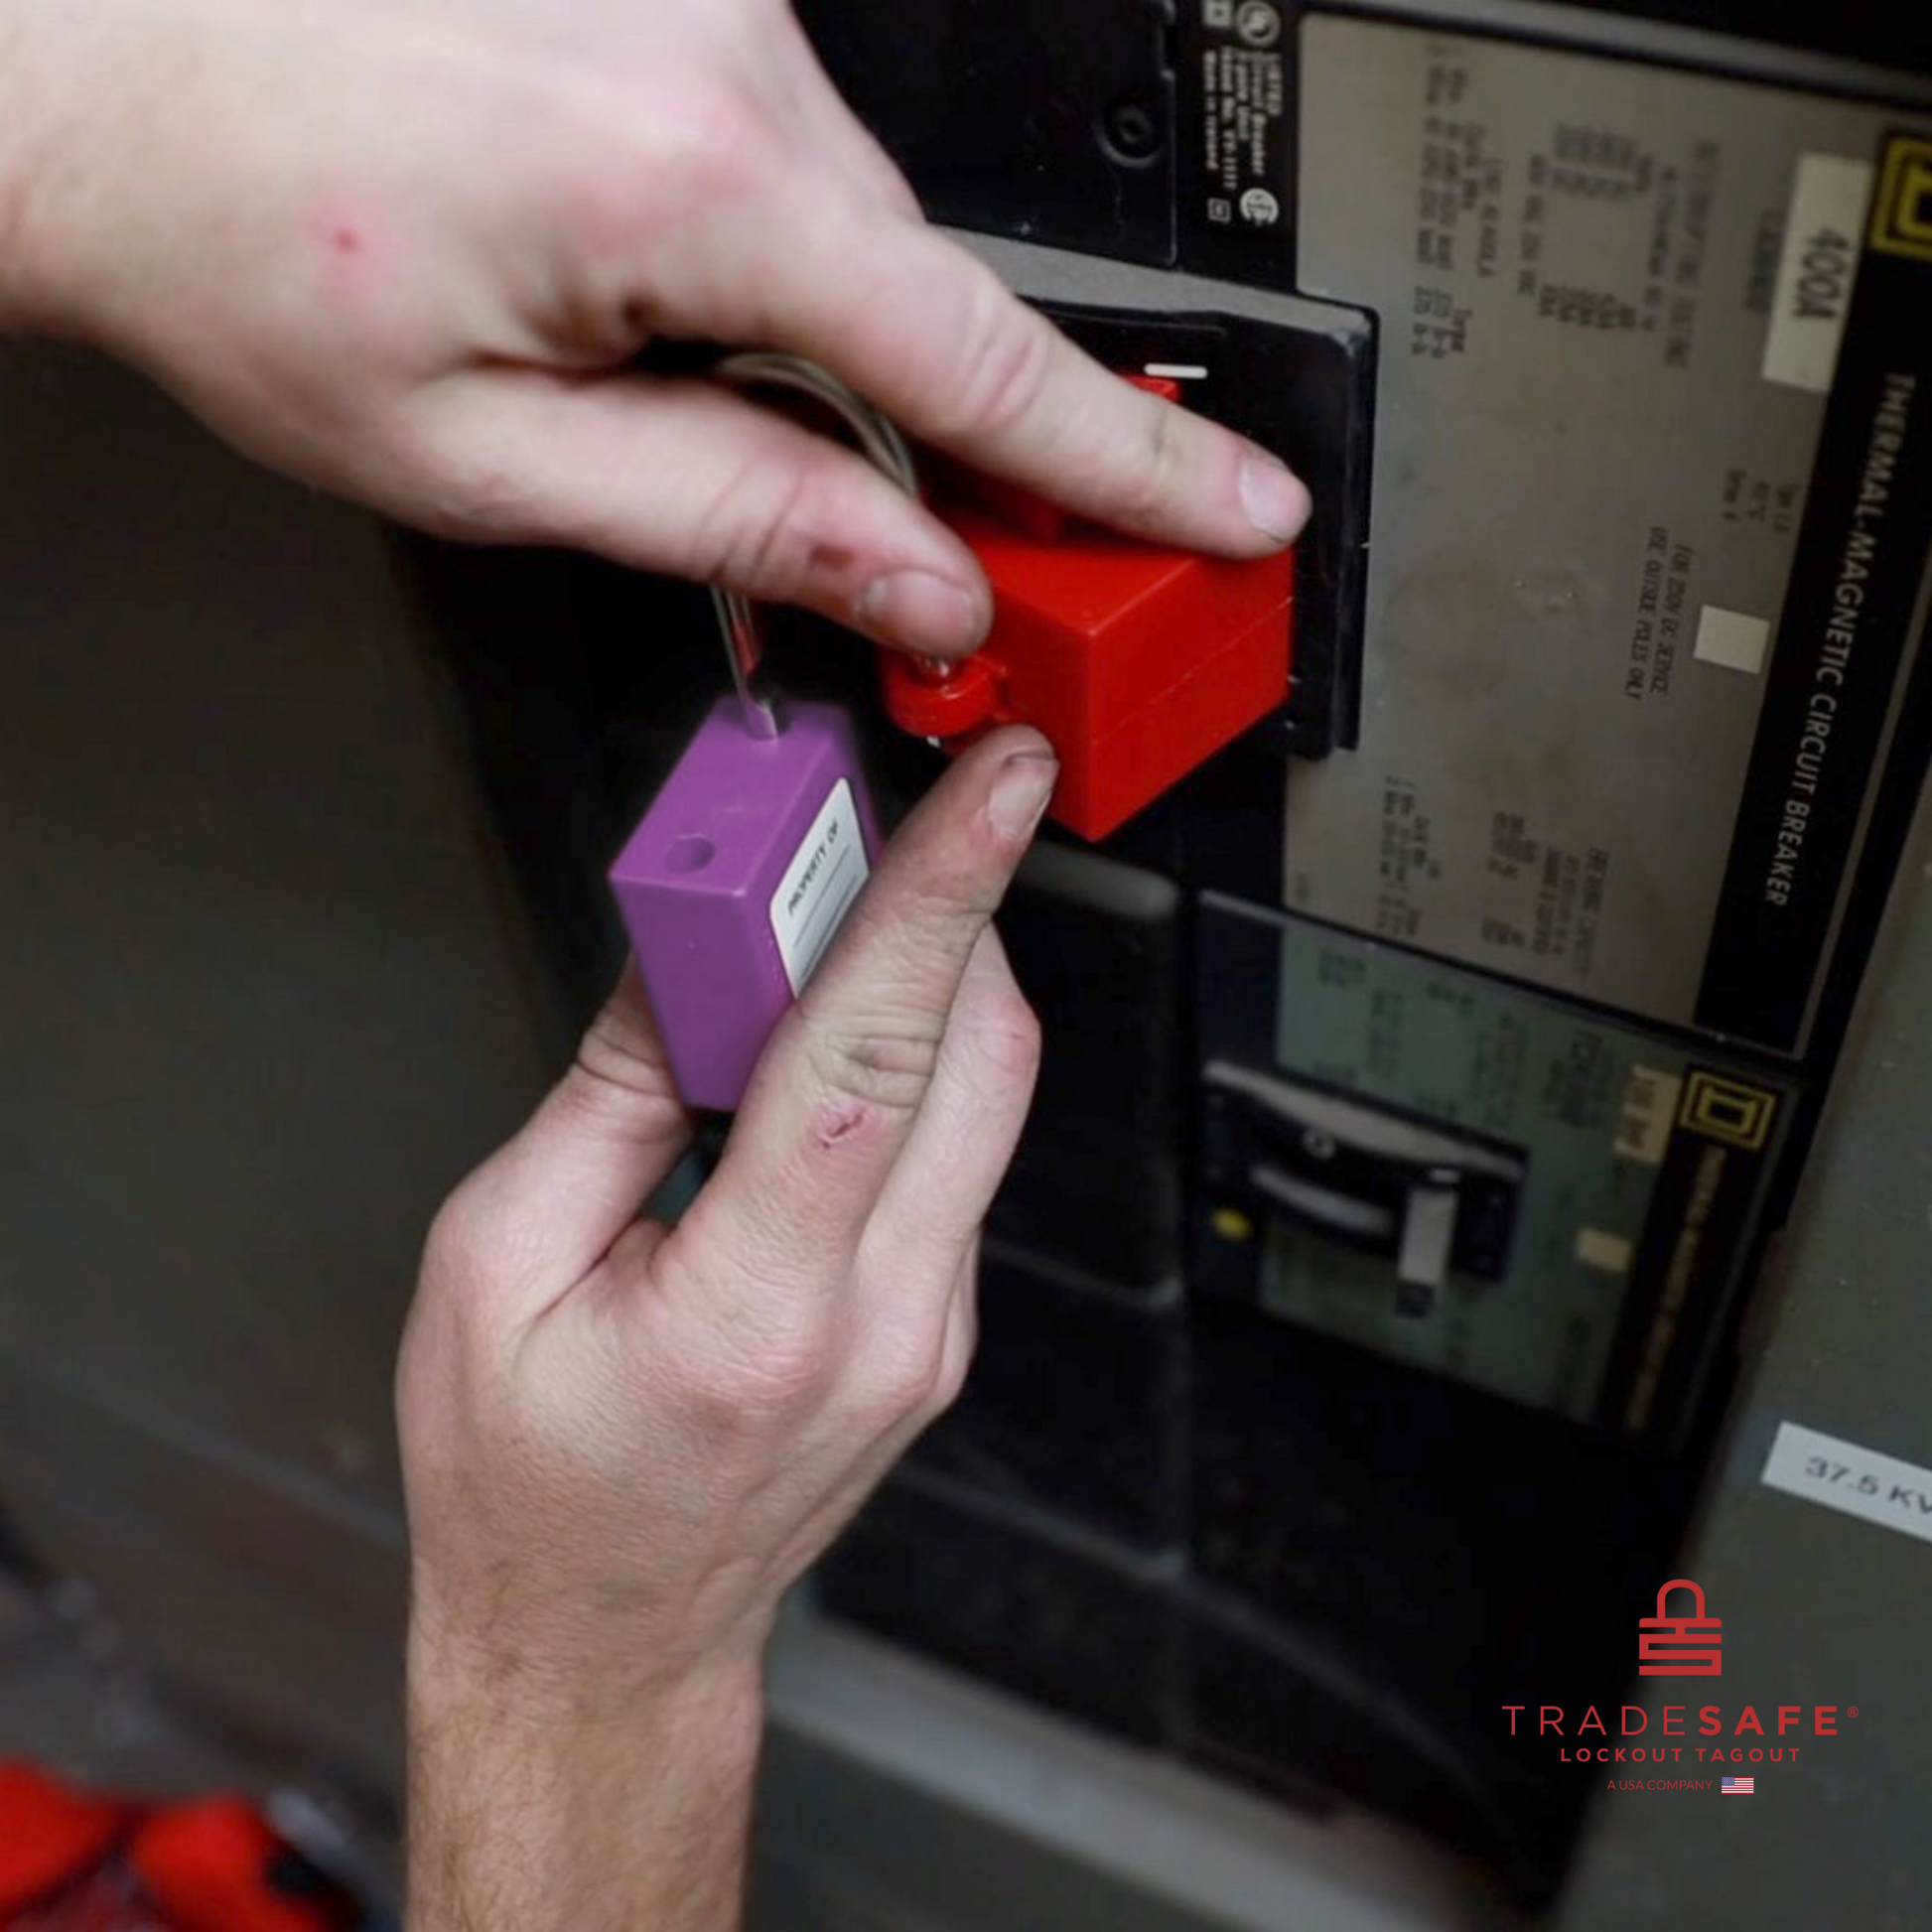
x,y
1649,1114
1816,269
1881,1489
819,886
1732,639
1608,1254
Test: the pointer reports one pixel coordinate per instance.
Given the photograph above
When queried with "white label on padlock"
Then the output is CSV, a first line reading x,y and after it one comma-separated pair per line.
x,y
819,886
1861,1481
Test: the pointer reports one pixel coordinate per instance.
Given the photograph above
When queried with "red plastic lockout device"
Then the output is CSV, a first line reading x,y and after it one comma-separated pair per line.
x,y
1137,662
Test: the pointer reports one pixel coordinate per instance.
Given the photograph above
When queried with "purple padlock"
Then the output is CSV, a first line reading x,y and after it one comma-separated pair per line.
x,y
750,858
734,882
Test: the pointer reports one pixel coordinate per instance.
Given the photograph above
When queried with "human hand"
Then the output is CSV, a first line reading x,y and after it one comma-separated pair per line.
x,y
621,1443
404,249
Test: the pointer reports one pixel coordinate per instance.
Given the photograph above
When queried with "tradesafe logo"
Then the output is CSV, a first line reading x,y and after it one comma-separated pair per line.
x,y
1680,1646
1687,1644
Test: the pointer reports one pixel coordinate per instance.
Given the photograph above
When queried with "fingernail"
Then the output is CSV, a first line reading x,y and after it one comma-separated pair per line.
x,y
927,613
1276,499
1020,794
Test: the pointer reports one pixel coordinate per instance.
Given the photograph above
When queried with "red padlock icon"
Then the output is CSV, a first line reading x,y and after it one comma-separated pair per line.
x,y
1680,1646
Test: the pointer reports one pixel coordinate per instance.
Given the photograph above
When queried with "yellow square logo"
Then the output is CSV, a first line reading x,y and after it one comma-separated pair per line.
x,y
1728,1111
1901,214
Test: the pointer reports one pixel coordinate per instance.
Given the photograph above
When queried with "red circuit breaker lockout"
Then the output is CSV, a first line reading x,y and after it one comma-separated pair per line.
x,y
1137,662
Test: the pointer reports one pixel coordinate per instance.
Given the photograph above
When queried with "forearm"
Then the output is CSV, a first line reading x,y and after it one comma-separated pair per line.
x,y
543,1807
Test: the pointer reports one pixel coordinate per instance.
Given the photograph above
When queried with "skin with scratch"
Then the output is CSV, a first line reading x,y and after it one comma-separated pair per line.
x,y
405,250
622,1443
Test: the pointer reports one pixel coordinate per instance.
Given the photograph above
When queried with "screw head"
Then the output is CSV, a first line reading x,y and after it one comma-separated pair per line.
x,y
1131,130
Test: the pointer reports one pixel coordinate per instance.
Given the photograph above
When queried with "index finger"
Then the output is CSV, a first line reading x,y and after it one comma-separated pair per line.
x,y
937,340
838,1089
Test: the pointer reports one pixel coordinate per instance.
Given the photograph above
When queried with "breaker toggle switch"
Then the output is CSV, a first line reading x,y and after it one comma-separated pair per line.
x,y
1138,664
1433,1199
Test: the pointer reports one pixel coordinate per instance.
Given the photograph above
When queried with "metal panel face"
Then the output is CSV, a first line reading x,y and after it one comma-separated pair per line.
x,y
1819,1607
1621,306
1510,1029
1592,1182
1065,132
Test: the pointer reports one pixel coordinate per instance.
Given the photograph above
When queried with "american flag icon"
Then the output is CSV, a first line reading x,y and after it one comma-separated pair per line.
x,y
1740,1787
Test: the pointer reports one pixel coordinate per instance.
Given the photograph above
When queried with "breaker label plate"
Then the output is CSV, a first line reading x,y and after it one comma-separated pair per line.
x,y
1817,265
1829,694
1616,419
1847,1477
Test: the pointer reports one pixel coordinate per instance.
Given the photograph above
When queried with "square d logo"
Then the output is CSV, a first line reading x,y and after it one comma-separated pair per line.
x,y
1728,1111
1902,212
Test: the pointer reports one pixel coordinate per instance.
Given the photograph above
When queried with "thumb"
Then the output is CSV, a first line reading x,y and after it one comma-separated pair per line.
x,y
684,477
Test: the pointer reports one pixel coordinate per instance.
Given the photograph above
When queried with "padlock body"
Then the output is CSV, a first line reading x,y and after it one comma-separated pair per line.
x,y
735,880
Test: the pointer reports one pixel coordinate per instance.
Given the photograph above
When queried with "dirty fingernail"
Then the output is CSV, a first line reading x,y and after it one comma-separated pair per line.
x,y
1020,794
924,611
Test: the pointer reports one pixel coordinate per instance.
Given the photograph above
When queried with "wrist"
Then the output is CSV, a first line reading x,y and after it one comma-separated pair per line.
x,y
561,1793
556,1657
549,1686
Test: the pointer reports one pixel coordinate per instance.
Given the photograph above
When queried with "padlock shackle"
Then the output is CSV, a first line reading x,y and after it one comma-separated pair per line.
x,y
879,443
743,630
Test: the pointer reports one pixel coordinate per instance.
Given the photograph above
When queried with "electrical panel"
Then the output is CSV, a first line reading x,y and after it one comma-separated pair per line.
x,y
1426,1076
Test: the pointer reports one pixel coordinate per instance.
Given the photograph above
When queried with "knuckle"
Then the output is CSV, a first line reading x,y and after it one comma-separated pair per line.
x,y
757,1343
718,139
1004,368
1010,1041
697,132
758,530
950,1381
928,917
779,1373
996,1053
955,1355
464,485
1147,490
680,152
456,1246
613,1060
881,1065
902,1385
890,182
472,1254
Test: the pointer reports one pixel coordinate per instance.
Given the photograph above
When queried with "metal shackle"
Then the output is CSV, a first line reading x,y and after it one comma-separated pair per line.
x,y
878,441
